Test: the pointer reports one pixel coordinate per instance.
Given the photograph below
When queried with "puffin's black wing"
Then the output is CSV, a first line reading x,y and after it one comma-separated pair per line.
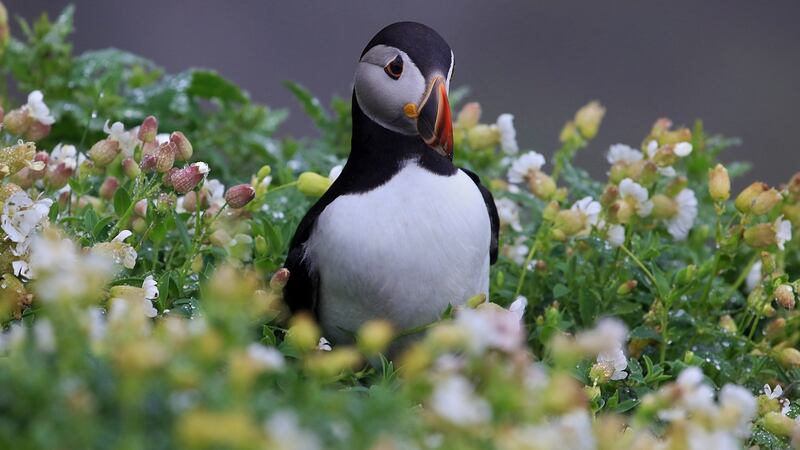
x,y
494,219
300,292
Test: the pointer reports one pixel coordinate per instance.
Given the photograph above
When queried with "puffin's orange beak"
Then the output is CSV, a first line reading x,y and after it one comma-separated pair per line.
x,y
434,121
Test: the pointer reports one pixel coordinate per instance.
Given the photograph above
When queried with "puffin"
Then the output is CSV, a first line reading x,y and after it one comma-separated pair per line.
x,y
402,233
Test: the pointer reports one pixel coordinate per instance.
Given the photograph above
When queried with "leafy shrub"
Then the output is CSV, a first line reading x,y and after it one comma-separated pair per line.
x,y
141,300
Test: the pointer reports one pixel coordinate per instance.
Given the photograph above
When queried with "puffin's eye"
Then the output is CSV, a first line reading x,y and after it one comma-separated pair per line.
x,y
395,67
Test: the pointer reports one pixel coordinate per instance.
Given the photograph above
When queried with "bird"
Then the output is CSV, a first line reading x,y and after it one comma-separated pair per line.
x,y
402,233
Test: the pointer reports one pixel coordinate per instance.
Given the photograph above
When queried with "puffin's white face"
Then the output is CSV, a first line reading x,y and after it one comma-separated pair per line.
x,y
391,90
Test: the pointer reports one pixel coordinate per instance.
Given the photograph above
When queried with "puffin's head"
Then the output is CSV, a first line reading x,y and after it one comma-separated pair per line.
x,y
402,80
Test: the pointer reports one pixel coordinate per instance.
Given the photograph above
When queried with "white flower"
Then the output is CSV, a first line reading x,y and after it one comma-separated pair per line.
x,y
335,172
161,138
267,358
693,395
22,217
621,153
455,401
700,438
523,165
517,307
754,276
740,401
37,109
490,326
150,286
652,148
616,363
508,135
589,208
64,154
683,149
786,406
679,225
324,345
216,192
64,272
783,232
45,335
633,191
202,167
615,235
285,433
773,393
127,139
21,269
508,211
122,235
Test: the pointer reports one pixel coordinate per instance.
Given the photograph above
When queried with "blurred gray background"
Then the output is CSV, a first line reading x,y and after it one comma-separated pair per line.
x,y
733,63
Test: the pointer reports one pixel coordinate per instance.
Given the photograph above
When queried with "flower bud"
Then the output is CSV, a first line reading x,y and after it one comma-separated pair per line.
x,y
148,163
219,238
37,131
186,179
719,183
58,176
665,156
778,424
313,184
775,328
264,172
182,144
550,211
627,287
130,168
240,195
760,236
745,199
588,119
541,185
727,323
610,194
675,186
789,357
109,187
469,115
138,225
664,207
620,212
103,152
792,214
165,157
262,247
279,279
375,336
140,208
17,122
601,373
483,136
148,129
784,295
765,201
568,133
43,158
303,333
150,148
570,222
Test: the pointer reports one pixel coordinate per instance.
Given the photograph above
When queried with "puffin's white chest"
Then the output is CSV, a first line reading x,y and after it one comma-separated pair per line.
x,y
402,251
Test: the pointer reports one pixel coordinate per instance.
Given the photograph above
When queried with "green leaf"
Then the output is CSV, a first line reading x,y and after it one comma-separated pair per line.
x,y
645,332
310,104
183,232
210,85
122,201
560,290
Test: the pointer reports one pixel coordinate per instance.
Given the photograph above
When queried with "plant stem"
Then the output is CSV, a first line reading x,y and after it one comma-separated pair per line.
x,y
640,264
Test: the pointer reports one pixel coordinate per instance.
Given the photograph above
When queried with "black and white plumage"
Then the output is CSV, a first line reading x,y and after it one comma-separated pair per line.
x,y
402,233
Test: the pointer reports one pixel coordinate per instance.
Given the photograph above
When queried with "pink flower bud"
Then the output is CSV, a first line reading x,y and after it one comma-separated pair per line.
x,y
183,145
279,279
130,168
165,157
64,198
166,180
140,208
186,179
23,178
57,177
148,129
109,187
240,195
148,163
190,201
103,152
37,131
